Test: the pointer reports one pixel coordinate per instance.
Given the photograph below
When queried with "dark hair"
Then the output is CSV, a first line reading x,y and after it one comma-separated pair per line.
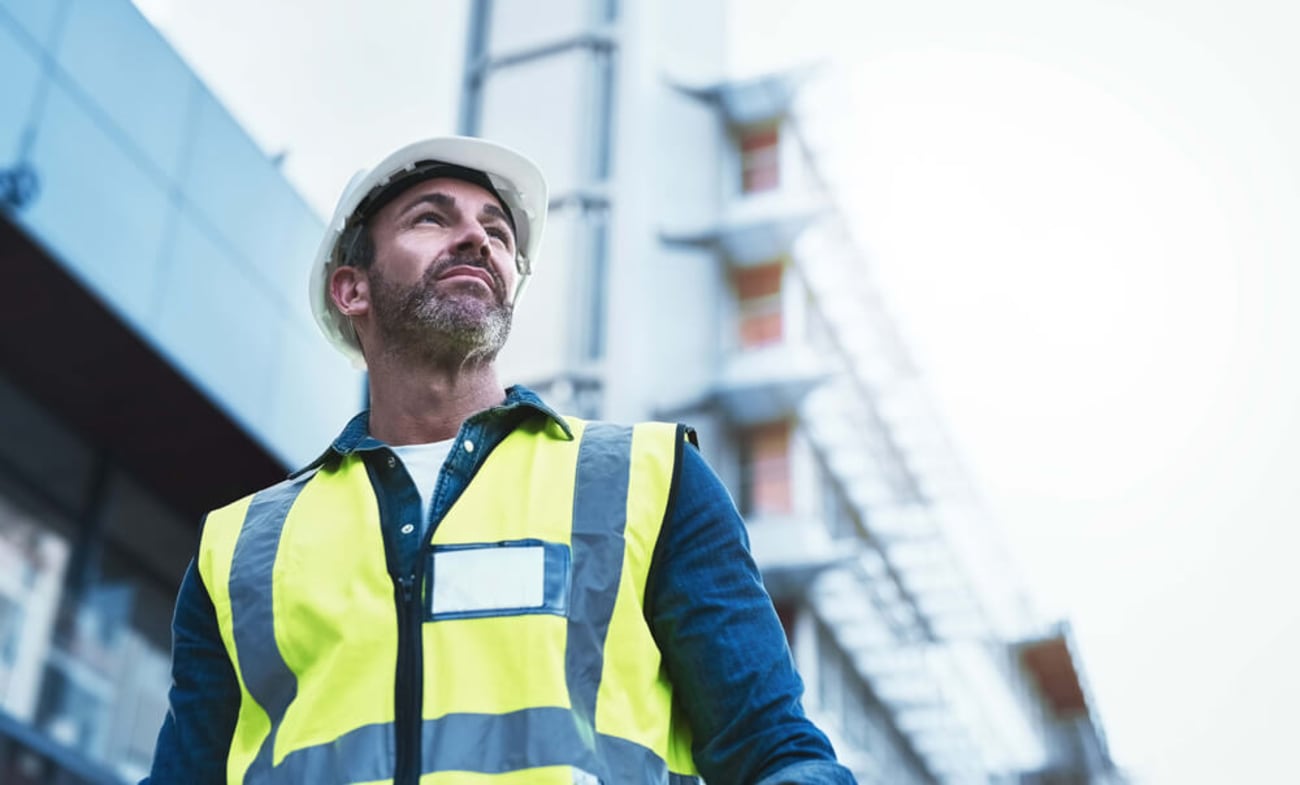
x,y
356,247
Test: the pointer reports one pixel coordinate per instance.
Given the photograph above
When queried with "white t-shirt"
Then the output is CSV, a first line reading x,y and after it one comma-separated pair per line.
x,y
423,462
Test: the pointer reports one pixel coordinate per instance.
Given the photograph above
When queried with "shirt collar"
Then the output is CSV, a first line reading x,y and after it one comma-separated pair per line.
x,y
520,402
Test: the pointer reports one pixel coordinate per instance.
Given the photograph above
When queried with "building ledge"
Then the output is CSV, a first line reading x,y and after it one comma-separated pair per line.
x,y
791,550
755,228
767,383
754,100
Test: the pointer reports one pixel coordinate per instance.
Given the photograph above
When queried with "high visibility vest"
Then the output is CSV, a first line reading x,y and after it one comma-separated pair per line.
x,y
537,662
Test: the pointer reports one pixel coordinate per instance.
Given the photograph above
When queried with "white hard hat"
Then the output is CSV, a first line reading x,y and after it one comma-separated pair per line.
x,y
517,181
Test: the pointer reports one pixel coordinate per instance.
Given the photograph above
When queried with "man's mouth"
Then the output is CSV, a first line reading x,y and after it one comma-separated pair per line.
x,y
469,271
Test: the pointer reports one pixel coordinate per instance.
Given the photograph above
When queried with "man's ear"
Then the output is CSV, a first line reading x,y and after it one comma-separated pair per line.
x,y
350,290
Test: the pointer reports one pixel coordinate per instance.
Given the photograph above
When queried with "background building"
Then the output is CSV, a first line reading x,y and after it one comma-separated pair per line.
x,y
157,359
697,268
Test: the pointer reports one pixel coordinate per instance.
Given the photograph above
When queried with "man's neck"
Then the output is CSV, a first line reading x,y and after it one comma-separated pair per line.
x,y
417,406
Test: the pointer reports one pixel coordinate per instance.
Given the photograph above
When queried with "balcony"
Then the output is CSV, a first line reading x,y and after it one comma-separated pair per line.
x,y
755,228
767,383
755,100
791,550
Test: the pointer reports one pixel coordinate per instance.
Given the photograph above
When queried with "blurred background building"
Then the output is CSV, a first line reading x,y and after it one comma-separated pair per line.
x,y
697,268
158,359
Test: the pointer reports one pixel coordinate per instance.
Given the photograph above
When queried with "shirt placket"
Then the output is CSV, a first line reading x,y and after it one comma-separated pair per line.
x,y
457,469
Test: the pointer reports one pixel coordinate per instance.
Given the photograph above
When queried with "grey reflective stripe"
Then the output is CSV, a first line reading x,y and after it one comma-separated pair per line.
x,y
268,678
365,754
599,519
482,743
622,760
597,541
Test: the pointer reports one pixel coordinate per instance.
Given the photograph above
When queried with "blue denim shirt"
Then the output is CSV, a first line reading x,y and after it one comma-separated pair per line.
x,y
722,643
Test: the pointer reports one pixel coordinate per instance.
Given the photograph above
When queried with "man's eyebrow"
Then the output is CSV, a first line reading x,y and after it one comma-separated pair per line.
x,y
437,198
495,212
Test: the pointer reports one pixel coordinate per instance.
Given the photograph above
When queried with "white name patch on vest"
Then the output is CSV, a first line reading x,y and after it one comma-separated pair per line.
x,y
493,579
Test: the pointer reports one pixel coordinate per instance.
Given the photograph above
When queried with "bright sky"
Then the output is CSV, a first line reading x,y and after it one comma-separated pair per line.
x,y
1083,215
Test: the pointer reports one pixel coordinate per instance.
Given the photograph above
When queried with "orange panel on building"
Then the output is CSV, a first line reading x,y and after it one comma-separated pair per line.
x,y
760,329
758,294
760,163
769,455
762,280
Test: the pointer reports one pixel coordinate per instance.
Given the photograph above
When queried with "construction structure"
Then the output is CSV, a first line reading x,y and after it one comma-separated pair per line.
x,y
698,268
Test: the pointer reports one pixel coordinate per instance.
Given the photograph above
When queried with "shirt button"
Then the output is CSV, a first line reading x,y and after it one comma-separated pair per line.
x,y
469,446
391,461
408,528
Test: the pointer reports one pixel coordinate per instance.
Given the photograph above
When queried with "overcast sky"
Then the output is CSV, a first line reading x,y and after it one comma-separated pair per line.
x,y
1084,216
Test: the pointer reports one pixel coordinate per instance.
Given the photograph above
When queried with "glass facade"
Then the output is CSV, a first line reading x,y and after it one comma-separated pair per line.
x,y
89,564
160,360
152,196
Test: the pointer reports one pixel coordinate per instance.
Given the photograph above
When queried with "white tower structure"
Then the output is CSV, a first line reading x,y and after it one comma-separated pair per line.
x,y
697,268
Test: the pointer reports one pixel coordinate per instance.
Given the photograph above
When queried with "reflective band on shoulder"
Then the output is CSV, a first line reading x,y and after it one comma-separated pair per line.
x,y
268,678
599,518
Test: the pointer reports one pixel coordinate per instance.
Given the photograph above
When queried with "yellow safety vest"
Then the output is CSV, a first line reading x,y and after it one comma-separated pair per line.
x,y
537,663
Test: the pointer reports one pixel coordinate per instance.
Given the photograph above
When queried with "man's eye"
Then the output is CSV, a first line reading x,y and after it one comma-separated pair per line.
x,y
500,234
429,218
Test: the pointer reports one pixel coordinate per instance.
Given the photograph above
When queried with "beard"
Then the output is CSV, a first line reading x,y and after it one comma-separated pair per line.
x,y
449,330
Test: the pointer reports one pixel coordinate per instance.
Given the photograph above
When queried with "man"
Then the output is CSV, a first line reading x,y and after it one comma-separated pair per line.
x,y
467,586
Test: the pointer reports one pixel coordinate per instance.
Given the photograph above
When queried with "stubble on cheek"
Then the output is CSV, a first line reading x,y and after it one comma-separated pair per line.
x,y
419,322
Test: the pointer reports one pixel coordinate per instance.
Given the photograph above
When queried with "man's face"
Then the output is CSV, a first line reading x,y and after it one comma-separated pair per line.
x,y
443,273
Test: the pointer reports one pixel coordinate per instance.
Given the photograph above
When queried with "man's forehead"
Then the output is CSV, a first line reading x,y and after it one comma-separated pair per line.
x,y
469,184
451,191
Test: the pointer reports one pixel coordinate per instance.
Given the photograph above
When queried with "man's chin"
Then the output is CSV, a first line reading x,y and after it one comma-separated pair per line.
x,y
462,285
468,329
471,314
473,299
444,325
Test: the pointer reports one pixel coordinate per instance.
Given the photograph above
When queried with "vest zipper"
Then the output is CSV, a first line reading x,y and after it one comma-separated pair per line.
x,y
408,710
410,687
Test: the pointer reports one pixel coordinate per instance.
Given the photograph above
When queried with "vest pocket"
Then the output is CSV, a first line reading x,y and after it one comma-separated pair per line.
x,y
508,578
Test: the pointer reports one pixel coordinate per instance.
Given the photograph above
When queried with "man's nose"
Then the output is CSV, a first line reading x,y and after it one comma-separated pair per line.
x,y
473,239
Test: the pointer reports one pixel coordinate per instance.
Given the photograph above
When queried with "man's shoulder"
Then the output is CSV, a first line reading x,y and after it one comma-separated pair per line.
x,y
658,426
289,486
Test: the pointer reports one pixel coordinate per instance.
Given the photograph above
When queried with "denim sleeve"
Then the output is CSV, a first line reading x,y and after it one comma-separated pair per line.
x,y
204,700
724,647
